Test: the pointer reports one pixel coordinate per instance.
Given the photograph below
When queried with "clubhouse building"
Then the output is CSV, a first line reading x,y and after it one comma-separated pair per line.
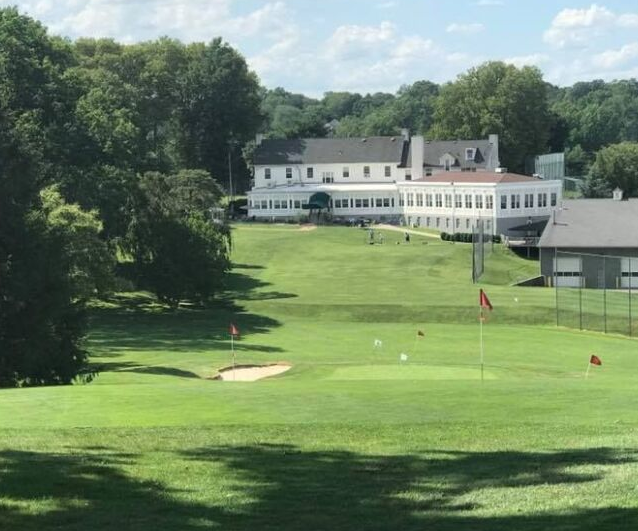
x,y
447,185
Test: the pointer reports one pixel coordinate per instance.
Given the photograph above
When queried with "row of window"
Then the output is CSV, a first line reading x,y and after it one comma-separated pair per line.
x,y
515,201
460,201
436,223
438,200
290,204
278,204
328,176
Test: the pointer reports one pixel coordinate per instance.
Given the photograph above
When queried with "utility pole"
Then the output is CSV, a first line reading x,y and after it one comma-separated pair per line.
x,y
230,178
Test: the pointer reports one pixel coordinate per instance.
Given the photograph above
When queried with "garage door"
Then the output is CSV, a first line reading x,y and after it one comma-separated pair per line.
x,y
568,272
629,273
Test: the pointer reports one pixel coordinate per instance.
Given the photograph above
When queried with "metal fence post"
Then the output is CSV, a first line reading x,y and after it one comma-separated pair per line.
x,y
631,325
605,292
556,284
580,301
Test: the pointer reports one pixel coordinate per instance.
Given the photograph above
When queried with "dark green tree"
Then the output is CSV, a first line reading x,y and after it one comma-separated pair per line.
x,y
180,252
42,321
616,166
219,102
497,98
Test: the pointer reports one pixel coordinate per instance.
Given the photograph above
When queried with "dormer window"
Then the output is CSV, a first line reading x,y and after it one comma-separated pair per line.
x,y
470,153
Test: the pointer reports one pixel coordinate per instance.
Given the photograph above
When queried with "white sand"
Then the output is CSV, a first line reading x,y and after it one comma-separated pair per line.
x,y
307,228
252,374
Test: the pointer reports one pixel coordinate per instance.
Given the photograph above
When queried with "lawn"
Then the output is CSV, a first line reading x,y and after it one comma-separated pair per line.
x,y
350,438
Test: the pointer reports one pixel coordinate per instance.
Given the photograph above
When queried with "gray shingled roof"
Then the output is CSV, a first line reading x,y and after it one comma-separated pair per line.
x,y
433,150
331,150
591,223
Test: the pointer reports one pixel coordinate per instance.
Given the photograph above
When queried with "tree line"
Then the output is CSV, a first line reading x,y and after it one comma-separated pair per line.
x,y
114,159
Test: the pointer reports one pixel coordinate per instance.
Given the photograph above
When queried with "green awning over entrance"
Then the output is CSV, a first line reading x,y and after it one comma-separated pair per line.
x,y
318,201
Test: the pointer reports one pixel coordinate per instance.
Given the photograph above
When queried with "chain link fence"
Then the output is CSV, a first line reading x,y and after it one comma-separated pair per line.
x,y
482,247
596,292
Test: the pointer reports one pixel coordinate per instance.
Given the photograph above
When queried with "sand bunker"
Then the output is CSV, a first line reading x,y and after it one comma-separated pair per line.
x,y
252,373
307,228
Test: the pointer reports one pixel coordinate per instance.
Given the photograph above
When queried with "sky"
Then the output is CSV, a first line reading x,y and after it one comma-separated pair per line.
x,y
314,46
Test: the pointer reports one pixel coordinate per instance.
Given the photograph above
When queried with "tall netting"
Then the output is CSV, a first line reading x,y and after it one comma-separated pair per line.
x,y
596,292
482,247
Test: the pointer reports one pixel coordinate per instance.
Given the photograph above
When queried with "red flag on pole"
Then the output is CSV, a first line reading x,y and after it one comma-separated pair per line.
x,y
595,360
234,331
484,302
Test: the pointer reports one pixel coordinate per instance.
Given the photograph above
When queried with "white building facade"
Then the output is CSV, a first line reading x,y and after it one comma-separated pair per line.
x,y
400,180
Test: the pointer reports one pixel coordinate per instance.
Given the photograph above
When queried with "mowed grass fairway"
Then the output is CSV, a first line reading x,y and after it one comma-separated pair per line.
x,y
349,438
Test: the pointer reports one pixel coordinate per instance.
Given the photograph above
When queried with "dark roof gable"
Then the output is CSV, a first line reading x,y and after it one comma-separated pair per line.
x,y
331,150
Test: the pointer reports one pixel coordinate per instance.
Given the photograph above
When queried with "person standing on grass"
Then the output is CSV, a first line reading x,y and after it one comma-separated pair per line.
x,y
407,237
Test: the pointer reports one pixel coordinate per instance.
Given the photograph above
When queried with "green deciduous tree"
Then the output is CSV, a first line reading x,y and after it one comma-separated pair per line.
x,y
497,98
219,102
180,252
616,166
91,262
41,321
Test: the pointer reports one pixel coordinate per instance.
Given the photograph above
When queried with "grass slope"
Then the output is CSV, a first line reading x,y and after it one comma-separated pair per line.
x,y
349,438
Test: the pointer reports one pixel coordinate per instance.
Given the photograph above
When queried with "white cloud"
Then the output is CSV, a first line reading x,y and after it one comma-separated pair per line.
x,y
615,58
576,27
355,42
387,5
467,29
354,57
628,20
128,20
535,59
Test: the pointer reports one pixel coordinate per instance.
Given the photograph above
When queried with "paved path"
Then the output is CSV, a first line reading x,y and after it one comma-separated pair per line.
x,y
409,231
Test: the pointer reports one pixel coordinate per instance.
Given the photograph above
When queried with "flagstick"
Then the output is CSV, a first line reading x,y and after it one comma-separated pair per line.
x,y
232,348
587,372
482,353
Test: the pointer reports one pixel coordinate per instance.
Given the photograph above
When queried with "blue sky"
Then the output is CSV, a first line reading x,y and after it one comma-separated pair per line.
x,y
312,46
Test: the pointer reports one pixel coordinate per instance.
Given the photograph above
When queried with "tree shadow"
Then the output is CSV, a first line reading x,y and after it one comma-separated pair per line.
x,y
247,288
352,491
117,329
281,487
157,370
248,266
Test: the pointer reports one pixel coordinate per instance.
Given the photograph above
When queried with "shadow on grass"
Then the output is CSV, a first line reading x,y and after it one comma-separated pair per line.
x,y
129,324
280,487
157,370
245,288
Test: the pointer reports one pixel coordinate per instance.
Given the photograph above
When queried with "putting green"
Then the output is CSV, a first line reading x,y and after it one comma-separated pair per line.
x,y
410,372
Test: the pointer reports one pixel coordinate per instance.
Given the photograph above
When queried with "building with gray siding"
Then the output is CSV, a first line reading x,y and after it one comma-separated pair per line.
x,y
581,234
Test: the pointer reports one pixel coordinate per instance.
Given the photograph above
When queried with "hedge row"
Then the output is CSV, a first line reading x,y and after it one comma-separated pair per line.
x,y
463,237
